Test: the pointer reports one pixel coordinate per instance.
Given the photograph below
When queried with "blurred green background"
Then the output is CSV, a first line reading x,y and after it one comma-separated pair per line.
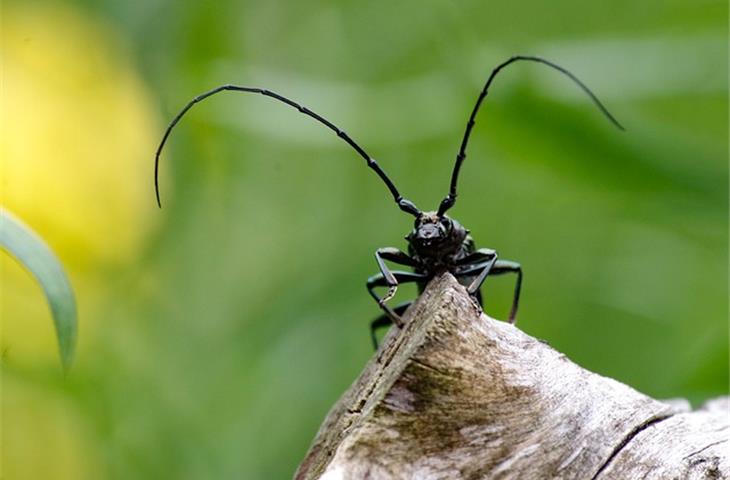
x,y
216,333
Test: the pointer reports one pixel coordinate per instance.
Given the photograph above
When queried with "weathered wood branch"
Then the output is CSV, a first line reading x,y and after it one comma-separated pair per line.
x,y
458,395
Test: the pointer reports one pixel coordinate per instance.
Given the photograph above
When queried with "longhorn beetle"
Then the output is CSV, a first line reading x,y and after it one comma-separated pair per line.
x,y
437,242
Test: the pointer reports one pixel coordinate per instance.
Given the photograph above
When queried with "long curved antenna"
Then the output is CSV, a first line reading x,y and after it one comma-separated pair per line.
x,y
450,199
404,204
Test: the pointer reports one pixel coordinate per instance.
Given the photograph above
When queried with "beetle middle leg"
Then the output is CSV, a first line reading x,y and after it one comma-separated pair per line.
x,y
385,321
507,266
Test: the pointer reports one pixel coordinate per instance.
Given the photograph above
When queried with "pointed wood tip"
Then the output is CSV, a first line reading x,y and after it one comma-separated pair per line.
x,y
459,395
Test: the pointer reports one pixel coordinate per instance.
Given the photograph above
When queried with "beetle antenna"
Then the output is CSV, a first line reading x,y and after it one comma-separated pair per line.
x,y
403,204
450,199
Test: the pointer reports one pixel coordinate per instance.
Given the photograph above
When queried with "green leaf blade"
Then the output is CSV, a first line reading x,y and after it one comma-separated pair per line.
x,y
32,252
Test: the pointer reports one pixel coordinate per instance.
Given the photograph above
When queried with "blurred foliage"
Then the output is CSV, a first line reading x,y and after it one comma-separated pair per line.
x,y
32,253
218,331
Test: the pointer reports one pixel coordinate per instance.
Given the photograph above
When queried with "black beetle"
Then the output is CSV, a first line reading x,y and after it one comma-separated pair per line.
x,y
437,243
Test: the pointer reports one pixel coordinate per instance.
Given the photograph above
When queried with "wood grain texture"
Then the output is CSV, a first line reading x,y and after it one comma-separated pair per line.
x,y
458,395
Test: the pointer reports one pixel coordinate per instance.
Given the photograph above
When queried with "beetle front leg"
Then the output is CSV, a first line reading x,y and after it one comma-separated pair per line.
x,y
396,256
484,260
477,257
498,268
381,280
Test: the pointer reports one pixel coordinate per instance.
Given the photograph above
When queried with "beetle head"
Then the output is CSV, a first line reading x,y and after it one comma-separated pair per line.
x,y
436,234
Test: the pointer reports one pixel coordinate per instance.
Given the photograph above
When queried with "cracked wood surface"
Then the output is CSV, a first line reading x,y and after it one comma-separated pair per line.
x,y
458,395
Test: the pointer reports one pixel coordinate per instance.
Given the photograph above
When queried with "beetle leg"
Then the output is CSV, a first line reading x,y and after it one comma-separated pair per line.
x,y
499,267
385,321
396,256
479,256
472,266
486,267
506,266
382,280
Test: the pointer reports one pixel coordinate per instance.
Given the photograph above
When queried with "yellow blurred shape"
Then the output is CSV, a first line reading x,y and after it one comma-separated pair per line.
x,y
77,138
76,142
44,436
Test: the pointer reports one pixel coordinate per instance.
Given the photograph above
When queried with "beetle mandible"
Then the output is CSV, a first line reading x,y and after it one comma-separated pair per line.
x,y
437,243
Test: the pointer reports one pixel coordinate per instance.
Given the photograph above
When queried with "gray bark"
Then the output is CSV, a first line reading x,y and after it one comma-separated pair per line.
x,y
458,395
